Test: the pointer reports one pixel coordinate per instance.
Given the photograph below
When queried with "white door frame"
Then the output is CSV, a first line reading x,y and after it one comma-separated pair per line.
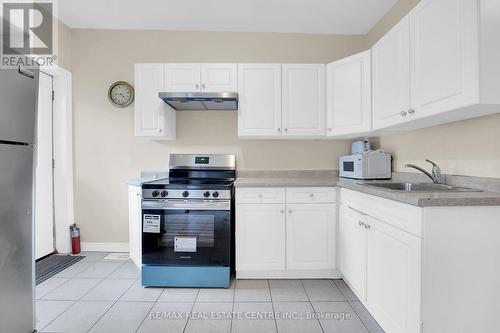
x,y
63,155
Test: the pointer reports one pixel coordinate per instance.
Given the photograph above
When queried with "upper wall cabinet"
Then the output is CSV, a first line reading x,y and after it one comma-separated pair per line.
x,y
303,100
453,65
259,87
349,111
391,76
200,77
281,101
153,118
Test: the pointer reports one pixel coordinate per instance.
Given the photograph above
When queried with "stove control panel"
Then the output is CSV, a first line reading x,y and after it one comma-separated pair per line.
x,y
161,194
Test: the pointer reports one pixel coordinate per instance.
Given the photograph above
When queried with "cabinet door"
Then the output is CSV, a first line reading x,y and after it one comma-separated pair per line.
x,y
352,238
134,226
393,277
349,102
444,56
259,88
182,77
218,77
260,237
153,118
310,236
304,100
391,77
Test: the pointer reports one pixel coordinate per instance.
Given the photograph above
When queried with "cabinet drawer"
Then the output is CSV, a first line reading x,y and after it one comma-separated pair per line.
x,y
260,195
311,194
400,215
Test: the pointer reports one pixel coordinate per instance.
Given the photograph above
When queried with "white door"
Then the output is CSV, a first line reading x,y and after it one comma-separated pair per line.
x,y
44,185
304,100
260,237
219,77
444,56
393,278
391,77
349,101
182,77
352,238
259,88
310,236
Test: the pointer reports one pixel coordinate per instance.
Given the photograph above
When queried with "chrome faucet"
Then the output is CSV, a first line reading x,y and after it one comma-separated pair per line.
x,y
436,176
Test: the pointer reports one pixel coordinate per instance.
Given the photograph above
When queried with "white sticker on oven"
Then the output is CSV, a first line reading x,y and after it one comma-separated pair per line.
x,y
151,224
184,244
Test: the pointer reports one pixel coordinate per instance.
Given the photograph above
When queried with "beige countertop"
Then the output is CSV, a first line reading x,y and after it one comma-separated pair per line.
x,y
328,178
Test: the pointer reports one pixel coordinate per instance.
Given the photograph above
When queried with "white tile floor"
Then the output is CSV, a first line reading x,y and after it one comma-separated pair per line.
x,y
97,295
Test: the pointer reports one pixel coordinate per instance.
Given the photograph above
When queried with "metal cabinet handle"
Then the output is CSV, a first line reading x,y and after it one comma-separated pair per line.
x,y
411,111
290,211
329,129
286,129
203,86
403,113
260,196
282,211
361,224
197,86
367,226
279,129
311,195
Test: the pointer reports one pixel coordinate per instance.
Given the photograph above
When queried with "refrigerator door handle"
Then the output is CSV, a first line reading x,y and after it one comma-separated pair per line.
x,y
26,72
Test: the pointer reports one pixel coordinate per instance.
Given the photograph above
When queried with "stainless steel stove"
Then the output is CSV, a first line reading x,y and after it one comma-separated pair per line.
x,y
187,238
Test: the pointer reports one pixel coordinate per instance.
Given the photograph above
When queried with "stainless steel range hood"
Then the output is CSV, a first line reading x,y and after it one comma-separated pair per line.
x,y
201,100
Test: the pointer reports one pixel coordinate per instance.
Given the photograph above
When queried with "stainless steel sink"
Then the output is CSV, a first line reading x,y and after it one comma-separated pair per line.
x,y
420,187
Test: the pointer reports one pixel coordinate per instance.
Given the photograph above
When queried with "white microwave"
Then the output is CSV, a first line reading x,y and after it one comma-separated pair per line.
x,y
371,164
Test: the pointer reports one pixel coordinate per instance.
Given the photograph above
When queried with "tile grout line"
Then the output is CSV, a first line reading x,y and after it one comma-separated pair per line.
x,y
357,315
111,304
312,307
192,308
152,306
41,329
272,305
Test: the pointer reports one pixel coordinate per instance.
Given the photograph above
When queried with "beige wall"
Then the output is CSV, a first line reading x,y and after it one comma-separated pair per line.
x,y
470,147
106,151
64,46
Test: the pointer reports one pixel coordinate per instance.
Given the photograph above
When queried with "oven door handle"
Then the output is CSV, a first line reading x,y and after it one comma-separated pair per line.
x,y
187,205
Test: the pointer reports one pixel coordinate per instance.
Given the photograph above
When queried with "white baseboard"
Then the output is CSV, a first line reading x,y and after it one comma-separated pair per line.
x,y
105,247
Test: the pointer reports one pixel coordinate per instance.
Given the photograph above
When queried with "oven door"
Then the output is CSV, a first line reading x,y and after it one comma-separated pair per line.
x,y
187,233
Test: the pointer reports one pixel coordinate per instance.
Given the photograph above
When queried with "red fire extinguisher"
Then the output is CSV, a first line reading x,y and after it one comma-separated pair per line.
x,y
75,238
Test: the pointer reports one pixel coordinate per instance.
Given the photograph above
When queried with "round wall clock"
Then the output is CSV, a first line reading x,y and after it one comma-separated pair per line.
x,y
121,94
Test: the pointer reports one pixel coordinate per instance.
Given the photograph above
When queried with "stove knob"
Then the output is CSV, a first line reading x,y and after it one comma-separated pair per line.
x,y
215,194
185,194
206,194
155,194
164,194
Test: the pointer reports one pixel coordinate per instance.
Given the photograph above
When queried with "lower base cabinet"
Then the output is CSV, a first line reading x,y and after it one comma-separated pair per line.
x,y
284,233
135,224
382,265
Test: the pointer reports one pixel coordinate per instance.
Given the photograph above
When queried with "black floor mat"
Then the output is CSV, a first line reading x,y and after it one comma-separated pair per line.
x,y
49,266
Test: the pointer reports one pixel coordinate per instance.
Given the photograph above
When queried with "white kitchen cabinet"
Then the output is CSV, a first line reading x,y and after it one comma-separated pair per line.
x,y
349,104
310,236
153,118
352,241
182,77
259,88
303,98
260,237
135,224
219,77
200,77
286,232
452,70
393,277
391,77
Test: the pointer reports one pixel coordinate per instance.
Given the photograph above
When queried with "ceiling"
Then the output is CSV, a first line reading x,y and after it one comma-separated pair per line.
x,y
296,16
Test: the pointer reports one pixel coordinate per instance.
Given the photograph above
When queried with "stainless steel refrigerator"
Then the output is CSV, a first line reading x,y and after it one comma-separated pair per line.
x,y
18,109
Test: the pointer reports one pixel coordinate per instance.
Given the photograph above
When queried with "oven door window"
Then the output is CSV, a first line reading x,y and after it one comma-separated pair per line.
x,y
186,237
